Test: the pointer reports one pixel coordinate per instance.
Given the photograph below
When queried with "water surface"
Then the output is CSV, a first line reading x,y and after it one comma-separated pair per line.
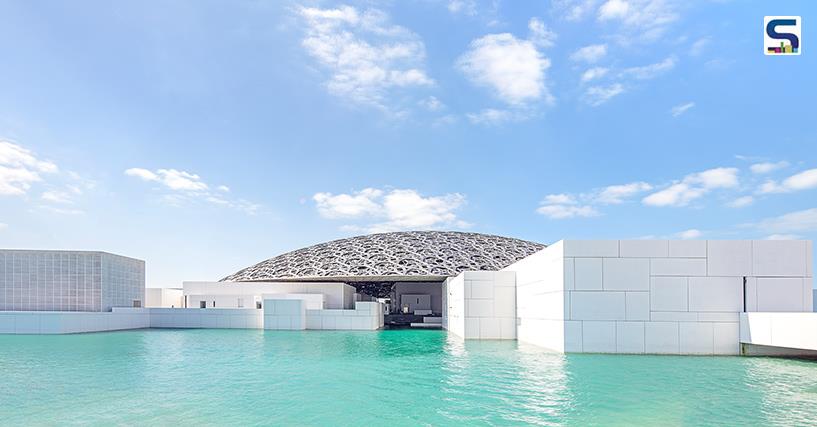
x,y
402,377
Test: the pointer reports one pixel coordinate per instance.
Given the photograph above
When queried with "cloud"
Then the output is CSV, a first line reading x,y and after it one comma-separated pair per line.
x,y
590,54
783,237
767,167
597,95
366,56
617,194
805,180
741,202
431,104
699,46
493,116
563,205
392,210
650,71
574,10
539,34
648,19
594,73
20,168
681,109
467,7
61,196
692,233
567,211
185,187
793,222
512,68
693,186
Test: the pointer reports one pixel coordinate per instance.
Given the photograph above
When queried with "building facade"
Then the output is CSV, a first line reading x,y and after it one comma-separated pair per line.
x,y
34,280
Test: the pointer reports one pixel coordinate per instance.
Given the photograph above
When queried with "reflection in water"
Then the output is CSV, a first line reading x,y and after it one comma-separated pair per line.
x,y
394,377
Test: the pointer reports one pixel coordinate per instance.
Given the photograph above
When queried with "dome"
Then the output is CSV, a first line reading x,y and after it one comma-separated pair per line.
x,y
409,255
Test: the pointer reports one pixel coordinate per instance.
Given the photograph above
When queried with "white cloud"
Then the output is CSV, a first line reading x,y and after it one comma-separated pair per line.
x,y
681,109
741,202
590,54
186,187
559,199
792,222
594,73
366,56
61,196
20,168
616,194
699,46
648,19
513,68
574,10
493,116
392,210
783,237
693,186
768,167
567,211
597,95
431,104
467,7
540,35
805,180
650,71
689,234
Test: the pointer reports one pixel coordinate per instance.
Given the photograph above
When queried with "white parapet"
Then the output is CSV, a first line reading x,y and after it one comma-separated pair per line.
x,y
779,333
481,305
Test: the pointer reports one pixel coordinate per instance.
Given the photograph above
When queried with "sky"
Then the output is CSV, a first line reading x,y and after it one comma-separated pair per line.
x,y
205,136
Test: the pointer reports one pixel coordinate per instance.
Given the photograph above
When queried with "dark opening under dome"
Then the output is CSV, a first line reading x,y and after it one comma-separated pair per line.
x,y
408,255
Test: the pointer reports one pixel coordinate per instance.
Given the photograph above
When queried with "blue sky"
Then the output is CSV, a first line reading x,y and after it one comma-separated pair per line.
x,y
205,136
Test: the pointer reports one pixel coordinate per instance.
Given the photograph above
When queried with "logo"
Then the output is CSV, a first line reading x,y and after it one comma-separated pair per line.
x,y
781,35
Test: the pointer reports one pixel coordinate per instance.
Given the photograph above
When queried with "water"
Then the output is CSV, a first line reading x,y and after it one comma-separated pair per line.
x,y
246,377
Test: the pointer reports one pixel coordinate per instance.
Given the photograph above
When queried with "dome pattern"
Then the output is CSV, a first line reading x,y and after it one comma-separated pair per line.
x,y
399,255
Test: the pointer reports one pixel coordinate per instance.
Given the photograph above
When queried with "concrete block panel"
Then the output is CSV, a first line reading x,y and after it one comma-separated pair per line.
x,y
637,305
669,294
479,289
313,322
598,337
678,267
588,274
480,275
489,329
643,248
780,294
726,337
597,306
661,337
507,328
505,302
569,274
573,336
687,248
471,328
716,294
696,338
626,274
343,323
479,308
504,278
629,337
673,316
707,316
591,248
808,295
809,258
729,257
784,258
6,323
751,294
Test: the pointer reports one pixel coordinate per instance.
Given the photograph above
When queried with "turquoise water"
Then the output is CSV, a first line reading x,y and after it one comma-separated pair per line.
x,y
404,377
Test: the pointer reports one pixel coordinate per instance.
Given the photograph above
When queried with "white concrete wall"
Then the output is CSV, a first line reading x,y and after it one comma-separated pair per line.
x,y
312,301
57,322
488,304
367,316
788,332
337,295
453,305
285,314
214,318
164,297
656,296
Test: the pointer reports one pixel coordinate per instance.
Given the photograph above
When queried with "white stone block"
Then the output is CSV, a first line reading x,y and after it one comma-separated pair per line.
x,y
809,258
673,316
669,294
480,289
729,257
644,248
630,337
780,294
507,328
479,308
706,316
588,274
479,275
626,274
716,294
637,306
569,274
6,323
209,321
343,323
696,338
504,278
678,267
591,248
782,258
751,294
808,295
471,328
329,322
597,305
598,337
489,329
505,302
573,336
726,337
687,248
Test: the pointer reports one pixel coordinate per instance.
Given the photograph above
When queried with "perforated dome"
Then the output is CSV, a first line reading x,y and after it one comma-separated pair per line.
x,y
410,255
